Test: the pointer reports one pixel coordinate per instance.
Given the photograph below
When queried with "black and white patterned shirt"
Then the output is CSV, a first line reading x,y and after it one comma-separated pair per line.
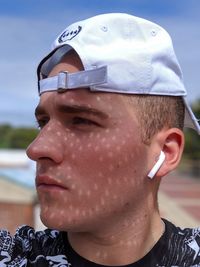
x,y
176,248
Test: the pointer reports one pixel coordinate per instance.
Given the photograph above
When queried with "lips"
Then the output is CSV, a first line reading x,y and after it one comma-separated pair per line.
x,y
46,183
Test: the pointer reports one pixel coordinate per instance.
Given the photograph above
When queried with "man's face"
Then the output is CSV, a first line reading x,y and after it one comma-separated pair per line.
x,y
91,163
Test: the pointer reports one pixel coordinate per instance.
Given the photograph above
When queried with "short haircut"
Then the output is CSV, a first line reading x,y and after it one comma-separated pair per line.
x,y
156,113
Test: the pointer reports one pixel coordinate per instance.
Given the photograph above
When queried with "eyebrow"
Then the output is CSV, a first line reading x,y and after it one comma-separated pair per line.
x,y
74,109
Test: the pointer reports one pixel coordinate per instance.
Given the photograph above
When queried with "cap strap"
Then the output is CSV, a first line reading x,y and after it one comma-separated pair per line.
x,y
190,119
65,80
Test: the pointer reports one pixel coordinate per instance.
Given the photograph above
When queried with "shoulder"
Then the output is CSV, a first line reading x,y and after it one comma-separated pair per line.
x,y
186,234
25,237
28,245
183,244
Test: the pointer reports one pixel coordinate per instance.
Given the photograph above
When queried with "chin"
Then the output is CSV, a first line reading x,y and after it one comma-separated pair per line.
x,y
61,223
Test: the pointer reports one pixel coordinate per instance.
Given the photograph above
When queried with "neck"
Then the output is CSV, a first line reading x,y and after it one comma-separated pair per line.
x,y
123,244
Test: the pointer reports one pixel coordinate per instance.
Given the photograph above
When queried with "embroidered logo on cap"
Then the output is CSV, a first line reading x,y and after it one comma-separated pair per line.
x,y
69,34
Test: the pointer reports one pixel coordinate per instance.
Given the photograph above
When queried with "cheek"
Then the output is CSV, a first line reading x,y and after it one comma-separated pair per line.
x,y
104,172
106,162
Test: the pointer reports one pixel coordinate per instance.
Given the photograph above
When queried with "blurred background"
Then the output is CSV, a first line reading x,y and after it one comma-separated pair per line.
x,y
27,29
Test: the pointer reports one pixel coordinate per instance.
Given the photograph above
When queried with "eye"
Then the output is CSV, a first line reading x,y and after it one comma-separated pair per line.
x,y
41,122
84,121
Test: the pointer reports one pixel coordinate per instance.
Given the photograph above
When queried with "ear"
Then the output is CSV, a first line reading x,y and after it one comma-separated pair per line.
x,y
172,144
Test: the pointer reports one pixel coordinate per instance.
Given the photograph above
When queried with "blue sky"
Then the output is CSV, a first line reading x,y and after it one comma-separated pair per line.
x,y
28,27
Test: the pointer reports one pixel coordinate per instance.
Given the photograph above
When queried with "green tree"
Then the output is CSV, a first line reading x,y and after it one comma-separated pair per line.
x,y
22,137
192,139
191,155
5,131
12,137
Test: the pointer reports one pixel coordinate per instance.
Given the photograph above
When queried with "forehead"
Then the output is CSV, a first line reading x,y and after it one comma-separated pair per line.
x,y
112,105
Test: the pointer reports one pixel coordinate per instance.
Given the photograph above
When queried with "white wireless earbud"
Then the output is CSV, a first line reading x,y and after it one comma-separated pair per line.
x,y
157,166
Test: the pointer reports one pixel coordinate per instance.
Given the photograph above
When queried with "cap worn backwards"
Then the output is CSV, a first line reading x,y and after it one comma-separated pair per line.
x,y
120,53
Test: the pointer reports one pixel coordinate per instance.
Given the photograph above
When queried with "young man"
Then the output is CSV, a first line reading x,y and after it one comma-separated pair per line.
x,y
111,112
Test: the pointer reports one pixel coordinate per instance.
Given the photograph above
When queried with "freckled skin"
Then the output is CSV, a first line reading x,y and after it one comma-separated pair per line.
x,y
101,161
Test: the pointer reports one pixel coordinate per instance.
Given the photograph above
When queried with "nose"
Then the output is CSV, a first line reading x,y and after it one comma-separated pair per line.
x,y
45,146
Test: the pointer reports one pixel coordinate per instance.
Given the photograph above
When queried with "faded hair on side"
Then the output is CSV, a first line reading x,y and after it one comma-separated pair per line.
x,y
157,112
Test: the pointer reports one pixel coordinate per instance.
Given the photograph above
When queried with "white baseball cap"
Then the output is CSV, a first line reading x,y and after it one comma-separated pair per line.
x,y
120,53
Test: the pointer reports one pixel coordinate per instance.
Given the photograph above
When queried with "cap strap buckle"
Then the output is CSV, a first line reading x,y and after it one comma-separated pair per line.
x,y
81,79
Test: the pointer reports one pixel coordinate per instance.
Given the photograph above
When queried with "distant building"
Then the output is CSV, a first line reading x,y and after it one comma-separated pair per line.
x,y
18,199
